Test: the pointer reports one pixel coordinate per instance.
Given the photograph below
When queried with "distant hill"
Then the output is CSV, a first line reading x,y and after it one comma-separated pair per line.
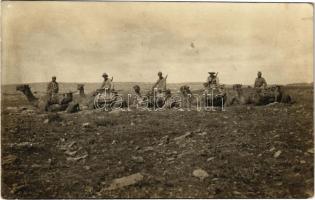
x,y
300,84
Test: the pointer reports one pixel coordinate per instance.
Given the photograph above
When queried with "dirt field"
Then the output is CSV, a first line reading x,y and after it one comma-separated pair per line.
x,y
242,152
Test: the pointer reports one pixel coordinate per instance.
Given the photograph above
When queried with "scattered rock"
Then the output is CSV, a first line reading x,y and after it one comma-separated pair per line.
x,y
12,109
36,166
86,125
236,193
148,149
203,133
114,142
170,159
70,153
199,173
17,188
311,150
272,104
87,167
115,112
209,159
76,158
302,161
23,145
279,183
125,181
182,137
10,159
46,121
277,154
138,159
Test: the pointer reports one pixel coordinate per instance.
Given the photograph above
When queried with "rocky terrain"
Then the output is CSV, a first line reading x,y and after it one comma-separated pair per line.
x,y
242,152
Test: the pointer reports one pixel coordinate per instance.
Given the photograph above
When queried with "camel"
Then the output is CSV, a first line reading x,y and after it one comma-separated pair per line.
x,y
243,96
159,100
96,99
205,97
45,103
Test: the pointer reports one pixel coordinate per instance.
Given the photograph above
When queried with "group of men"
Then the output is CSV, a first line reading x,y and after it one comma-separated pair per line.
x,y
213,81
160,85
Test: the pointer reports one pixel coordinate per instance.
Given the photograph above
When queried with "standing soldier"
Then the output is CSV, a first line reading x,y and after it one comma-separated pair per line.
x,y
52,90
160,83
260,82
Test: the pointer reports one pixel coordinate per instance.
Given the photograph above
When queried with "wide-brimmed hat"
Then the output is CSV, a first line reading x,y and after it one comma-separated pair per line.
x,y
105,74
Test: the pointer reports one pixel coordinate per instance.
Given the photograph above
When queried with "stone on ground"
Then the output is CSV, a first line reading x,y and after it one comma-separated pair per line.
x,y
199,173
125,181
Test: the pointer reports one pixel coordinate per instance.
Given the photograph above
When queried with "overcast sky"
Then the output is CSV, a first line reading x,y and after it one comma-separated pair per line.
x,y
78,41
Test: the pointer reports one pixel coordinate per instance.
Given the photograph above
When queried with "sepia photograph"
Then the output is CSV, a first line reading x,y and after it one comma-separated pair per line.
x,y
209,100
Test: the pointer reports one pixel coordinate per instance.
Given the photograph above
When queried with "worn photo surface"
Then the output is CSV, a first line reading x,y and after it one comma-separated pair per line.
x,y
156,100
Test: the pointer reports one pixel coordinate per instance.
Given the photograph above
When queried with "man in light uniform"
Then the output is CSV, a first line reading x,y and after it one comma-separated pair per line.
x,y
107,83
260,82
160,84
52,90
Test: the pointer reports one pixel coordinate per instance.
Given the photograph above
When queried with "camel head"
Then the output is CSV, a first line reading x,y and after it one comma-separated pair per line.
x,y
237,86
26,90
136,89
23,88
185,90
80,87
168,93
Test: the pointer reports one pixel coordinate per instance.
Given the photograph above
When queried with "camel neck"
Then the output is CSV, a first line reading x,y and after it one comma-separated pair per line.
x,y
82,93
30,96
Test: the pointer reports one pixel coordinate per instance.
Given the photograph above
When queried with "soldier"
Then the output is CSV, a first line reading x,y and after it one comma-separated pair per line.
x,y
212,80
139,97
160,83
52,90
107,83
260,82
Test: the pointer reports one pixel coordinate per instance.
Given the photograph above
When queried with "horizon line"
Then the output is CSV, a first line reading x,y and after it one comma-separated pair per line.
x,y
194,82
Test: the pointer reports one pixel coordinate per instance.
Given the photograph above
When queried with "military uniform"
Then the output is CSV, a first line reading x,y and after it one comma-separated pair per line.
x,y
213,82
260,82
52,91
160,84
52,88
107,84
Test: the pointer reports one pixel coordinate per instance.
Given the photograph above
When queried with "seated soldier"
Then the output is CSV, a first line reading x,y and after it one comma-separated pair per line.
x,y
260,83
107,83
52,90
212,80
212,84
160,84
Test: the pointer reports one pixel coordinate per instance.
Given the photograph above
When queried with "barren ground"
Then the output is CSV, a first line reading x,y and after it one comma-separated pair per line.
x,y
248,152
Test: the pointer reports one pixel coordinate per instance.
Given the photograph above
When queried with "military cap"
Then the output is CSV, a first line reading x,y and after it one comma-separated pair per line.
x,y
160,73
105,74
211,72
